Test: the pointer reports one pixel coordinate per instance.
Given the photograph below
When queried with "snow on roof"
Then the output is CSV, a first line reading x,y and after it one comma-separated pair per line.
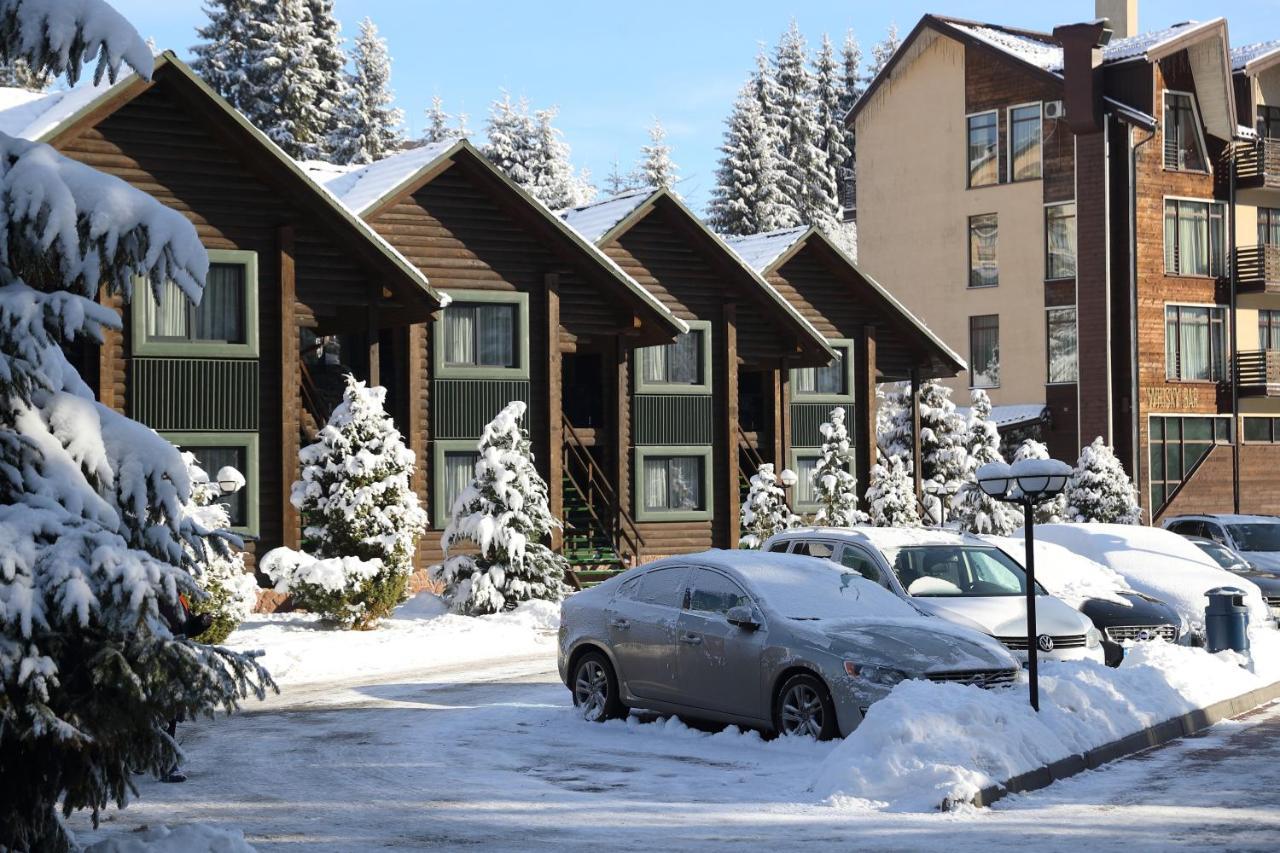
x,y
31,115
1137,45
1227,518
1242,56
1040,49
761,250
598,218
362,187
1008,416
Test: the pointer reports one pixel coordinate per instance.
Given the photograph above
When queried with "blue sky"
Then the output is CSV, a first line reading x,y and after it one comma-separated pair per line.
x,y
612,68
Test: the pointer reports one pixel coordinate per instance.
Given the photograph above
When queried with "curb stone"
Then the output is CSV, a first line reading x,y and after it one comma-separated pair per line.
x,y
1182,725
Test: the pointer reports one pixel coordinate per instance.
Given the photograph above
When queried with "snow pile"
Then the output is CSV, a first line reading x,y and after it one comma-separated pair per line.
x,y
420,634
191,838
928,743
1068,575
1156,562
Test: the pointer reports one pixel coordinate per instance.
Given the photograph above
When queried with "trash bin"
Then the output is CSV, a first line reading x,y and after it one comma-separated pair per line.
x,y
1226,620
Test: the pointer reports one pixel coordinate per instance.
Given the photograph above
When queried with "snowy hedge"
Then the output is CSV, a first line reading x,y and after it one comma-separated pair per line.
x,y
230,590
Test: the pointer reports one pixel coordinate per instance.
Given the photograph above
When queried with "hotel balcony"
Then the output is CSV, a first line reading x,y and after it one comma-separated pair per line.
x,y
1258,164
1258,373
1258,268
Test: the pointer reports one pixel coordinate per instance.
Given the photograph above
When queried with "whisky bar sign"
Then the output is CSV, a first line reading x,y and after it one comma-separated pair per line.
x,y
1172,398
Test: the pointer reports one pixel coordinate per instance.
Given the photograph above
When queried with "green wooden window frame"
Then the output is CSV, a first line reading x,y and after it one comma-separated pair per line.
x,y
247,440
143,304
488,297
703,387
843,345
440,508
708,480
793,462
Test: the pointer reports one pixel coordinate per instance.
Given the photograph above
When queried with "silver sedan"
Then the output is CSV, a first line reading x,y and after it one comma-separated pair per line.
x,y
771,641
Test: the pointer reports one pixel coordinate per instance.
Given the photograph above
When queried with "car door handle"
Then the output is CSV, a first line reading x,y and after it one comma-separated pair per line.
x,y
620,624
691,639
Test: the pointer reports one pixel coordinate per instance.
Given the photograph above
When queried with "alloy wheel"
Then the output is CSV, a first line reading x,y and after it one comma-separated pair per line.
x,y
802,712
591,690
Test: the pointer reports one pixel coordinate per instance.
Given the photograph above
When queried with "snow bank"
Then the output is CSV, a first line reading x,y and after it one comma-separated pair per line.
x,y
191,838
927,742
419,635
1068,575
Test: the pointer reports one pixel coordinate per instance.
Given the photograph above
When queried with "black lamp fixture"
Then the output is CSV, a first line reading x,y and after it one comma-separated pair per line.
x,y
1029,483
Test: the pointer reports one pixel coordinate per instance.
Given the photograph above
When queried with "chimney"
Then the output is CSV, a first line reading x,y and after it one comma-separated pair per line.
x,y
1082,73
1122,16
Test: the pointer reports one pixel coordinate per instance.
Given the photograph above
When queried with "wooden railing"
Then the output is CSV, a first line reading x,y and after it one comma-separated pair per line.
x,y
751,460
599,496
312,402
1258,372
1259,162
1258,268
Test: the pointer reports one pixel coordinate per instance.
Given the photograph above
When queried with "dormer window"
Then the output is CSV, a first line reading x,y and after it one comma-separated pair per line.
x,y
1183,143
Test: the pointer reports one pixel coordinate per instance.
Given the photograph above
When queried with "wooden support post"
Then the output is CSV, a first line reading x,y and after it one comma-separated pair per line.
x,y
375,344
729,393
554,406
784,407
864,407
417,390
916,465
777,388
290,388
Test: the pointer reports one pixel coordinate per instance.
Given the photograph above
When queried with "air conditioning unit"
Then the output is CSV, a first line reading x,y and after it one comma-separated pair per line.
x,y
1054,109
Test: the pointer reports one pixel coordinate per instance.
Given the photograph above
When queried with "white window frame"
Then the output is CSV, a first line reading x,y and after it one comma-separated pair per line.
x,y
1008,121
968,174
250,442
660,388
708,482
1075,248
1226,237
1195,111
520,299
1048,350
1226,344
140,315
847,344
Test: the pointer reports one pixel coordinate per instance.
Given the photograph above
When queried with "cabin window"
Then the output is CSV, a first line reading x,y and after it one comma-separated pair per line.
x,y
1063,344
1269,329
1269,226
483,335
225,323
823,383
1195,342
680,367
673,483
984,351
1194,237
1060,241
983,269
1269,122
459,472
804,463
1024,142
453,468
984,148
215,450
1183,144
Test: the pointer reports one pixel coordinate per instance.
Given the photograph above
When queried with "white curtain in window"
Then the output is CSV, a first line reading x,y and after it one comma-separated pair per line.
x,y
682,361
1193,238
220,315
653,364
459,471
459,335
1026,142
1061,226
1193,342
686,482
497,335
804,483
168,317
655,484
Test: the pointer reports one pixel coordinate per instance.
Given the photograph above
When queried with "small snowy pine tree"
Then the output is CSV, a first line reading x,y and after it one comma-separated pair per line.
x,y
973,510
656,168
438,129
509,139
835,489
357,505
231,592
1049,512
1099,489
504,514
366,125
891,498
893,421
765,511
616,183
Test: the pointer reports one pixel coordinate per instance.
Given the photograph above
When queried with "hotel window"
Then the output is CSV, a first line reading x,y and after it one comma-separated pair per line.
x,y
1194,237
1269,122
1183,147
984,351
1269,329
823,382
680,367
480,335
216,450
1063,345
674,483
1060,241
1024,142
1261,430
983,268
984,147
1269,226
459,471
1195,342
225,323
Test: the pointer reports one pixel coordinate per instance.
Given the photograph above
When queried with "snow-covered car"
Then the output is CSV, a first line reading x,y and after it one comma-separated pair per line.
x,y
1159,563
769,641
1234,562
956,577
1254,537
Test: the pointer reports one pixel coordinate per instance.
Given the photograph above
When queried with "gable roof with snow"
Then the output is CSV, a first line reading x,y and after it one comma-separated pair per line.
x,y
761,250
360,188
593,221
1252,58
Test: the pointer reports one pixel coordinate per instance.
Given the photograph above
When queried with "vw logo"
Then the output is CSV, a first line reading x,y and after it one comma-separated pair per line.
x,y
1045,642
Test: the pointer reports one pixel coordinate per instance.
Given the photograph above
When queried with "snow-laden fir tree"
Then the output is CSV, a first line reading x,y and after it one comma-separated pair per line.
x,y
765,512
221,57
809,184
747,198
973,509
331,57
282,87
944,457
358,506
95,548
555,183
1099,489
894,421
881,52
832,141
851,66
510,139
835,489
891,496
18,75
1052,511
503,514
439,128
366,126
656,169
231,590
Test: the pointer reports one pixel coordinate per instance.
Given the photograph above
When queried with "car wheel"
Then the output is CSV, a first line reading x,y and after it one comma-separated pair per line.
x,y
595,689
804,709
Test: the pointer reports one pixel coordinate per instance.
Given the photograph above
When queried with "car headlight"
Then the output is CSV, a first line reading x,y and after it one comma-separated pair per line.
x,y
1093,638
882,675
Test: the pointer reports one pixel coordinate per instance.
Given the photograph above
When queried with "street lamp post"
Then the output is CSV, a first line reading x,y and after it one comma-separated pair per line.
x,y
1027,482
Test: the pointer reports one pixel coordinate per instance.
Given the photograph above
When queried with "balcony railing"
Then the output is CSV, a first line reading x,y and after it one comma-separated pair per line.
x,y
1258,163
1258,373
1258,268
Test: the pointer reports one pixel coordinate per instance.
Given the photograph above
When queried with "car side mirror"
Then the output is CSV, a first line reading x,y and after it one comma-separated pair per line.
x,y
742,616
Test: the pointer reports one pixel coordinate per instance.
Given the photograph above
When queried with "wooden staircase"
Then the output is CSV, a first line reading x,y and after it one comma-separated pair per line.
x,y
600,536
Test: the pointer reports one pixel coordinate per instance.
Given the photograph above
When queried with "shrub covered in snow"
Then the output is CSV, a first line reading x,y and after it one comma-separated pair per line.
x,y
95,548
231,592
360,515
973,509
1049,512
835,489
1100,490
891,495
765,511
504,514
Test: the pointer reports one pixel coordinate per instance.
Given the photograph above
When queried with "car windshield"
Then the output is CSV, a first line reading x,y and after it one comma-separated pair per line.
x,y
1258,536
958,571
833,593
1220,555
